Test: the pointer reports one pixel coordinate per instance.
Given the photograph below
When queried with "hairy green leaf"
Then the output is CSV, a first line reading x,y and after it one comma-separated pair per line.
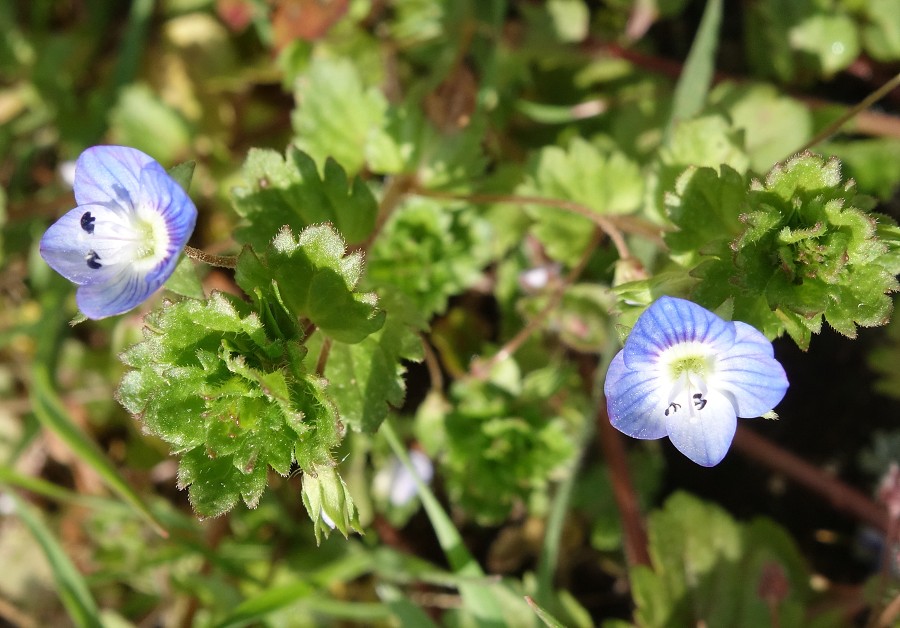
x,y
289,191
208,380
807,249
336,113
314,280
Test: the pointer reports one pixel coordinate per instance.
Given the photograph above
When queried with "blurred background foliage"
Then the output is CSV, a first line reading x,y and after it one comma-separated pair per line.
x,y
566,99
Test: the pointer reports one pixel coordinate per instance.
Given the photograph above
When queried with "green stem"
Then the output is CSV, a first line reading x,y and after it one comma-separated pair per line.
x,y
867,102
478,593
549,556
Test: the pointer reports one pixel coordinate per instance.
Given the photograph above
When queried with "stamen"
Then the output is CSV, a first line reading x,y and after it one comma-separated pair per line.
x,y
92,258
87,222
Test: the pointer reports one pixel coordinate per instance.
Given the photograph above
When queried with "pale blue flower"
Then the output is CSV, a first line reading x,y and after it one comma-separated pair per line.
x,y
397,483
687,374
123,240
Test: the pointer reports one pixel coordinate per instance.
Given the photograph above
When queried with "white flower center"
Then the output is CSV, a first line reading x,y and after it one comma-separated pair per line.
x,y
139,238
688,365
152,237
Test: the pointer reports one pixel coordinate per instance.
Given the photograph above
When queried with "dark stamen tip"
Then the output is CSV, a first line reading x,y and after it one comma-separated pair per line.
x,y
92,258
87,222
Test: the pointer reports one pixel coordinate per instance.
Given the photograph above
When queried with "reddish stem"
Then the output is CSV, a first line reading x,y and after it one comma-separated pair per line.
x,y
635,534
840,495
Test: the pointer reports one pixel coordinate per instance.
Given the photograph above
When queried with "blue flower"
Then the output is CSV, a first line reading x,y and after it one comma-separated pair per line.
x,y
123,240
687,374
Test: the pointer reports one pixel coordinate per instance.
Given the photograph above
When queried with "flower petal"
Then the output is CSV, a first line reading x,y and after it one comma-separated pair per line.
x,y
635,400
704,435
670,321
123,290
67,244
749,374
165,196
403,487
110,176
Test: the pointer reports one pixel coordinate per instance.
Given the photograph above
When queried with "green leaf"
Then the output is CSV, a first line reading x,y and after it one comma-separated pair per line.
x,y
216,485
315,280
268,601
140,118
411,144
290,192
184,280
183,173
708,569
548,620
705,142
336,113
72,588
427,252
799,40
208,380
709,140
873,163
830,39
570,19
406,612
774,125
705,207
807,249
605,182
366,379
881,30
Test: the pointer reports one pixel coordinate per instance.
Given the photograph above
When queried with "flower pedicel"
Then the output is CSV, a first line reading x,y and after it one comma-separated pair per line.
x,y
123,240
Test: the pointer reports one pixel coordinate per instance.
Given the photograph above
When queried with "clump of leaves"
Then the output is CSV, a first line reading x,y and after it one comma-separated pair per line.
x,y
521,436
786,252
708,568
209,380
229,384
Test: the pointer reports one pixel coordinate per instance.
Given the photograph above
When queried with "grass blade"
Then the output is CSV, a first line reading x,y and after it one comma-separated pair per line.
x,y
73,590
697,74
547,618
52,414
478,598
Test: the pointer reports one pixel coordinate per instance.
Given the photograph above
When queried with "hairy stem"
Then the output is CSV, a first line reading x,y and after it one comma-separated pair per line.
x,y
867,102
222,261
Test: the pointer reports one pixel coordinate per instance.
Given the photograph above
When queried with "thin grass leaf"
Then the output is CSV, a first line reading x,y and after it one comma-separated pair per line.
x,y
38,486
258,607
52,414
549,555
478,598
73,590
547,618
697,74
407,613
